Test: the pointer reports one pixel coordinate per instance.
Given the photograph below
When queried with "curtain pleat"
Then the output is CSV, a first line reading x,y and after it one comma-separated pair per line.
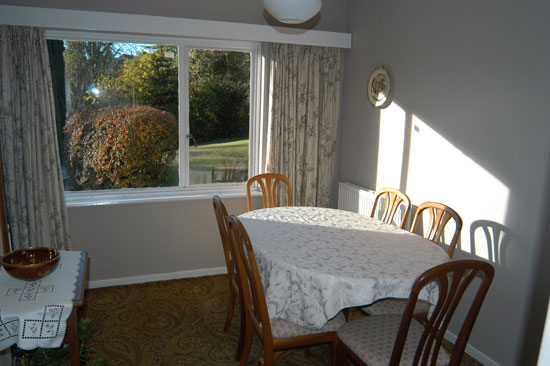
x,y
304,107
32,170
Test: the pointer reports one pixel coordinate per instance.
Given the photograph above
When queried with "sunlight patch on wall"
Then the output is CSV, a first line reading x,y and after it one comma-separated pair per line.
x,y
440,172
390,147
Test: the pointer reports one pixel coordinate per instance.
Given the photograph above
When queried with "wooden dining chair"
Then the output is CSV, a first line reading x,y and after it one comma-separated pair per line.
x,y
395,339
279,337
440,215
268,183
393,200
234,292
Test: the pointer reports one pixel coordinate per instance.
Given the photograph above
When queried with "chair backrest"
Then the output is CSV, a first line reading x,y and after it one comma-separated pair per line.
x,y
440,215
268,183
394,199
250,283
221,218
452,279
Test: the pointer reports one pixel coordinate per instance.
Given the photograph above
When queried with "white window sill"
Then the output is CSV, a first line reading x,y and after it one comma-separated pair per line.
x,y
143,195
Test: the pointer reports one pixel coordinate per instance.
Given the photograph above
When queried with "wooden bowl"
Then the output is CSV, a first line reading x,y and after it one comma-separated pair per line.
x,y
30,263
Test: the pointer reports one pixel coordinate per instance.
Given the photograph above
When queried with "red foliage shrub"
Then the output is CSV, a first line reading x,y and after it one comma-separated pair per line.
x,y
123,147
79,130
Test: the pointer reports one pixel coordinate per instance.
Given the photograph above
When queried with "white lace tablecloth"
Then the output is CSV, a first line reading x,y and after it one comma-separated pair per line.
x,y
34,313
315,262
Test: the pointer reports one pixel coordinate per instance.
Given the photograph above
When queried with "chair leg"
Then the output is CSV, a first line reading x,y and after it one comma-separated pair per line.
x,y
346,314
334,346
307,351
269,357
230,309
339,356
247,343
242,331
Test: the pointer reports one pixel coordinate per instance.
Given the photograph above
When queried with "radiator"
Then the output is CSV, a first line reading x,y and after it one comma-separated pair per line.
x,y
358,199
355,199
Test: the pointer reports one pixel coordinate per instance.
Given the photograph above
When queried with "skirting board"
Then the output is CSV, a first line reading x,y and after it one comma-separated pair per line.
x,y
472,351
157,277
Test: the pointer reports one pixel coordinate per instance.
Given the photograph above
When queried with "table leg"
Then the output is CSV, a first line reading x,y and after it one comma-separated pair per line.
x,y
72,337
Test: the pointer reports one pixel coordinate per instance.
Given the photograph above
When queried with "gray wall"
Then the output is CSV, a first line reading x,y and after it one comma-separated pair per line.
x,y
471,79
331,17
143,239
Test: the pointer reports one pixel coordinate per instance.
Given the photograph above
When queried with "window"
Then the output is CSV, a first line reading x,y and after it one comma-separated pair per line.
x,y
219,105
139,116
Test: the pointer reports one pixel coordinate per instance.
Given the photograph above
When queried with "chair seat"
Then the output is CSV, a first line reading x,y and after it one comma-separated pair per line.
x,y
395,306
372,338
286,329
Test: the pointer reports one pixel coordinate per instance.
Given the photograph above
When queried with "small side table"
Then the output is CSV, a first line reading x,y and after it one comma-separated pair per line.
x,y
78,301
35,312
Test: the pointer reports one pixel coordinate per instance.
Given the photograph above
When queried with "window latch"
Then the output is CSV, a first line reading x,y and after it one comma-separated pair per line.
x,y
189,136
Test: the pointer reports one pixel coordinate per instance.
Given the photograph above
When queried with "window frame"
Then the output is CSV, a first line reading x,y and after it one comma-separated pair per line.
x,y
184,190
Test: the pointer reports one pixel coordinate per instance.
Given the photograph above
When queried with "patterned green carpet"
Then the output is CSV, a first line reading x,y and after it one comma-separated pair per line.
x,y
178,322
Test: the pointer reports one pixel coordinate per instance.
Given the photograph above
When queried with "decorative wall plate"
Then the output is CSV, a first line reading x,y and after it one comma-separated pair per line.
x,y
379,87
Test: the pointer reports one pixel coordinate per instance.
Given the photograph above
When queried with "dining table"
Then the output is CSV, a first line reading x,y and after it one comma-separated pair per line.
x,y
315,262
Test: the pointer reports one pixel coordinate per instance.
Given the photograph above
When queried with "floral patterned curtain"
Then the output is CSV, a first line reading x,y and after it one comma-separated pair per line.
x,y
304,110
32,171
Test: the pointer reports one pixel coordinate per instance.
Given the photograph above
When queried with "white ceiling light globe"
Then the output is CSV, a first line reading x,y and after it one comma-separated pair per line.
x,y
293,11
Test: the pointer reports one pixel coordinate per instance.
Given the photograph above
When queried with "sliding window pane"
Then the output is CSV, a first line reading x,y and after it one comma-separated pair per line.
x,y
219,101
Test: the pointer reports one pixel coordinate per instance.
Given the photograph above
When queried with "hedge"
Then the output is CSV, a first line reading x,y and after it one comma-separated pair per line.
x,y
122,147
